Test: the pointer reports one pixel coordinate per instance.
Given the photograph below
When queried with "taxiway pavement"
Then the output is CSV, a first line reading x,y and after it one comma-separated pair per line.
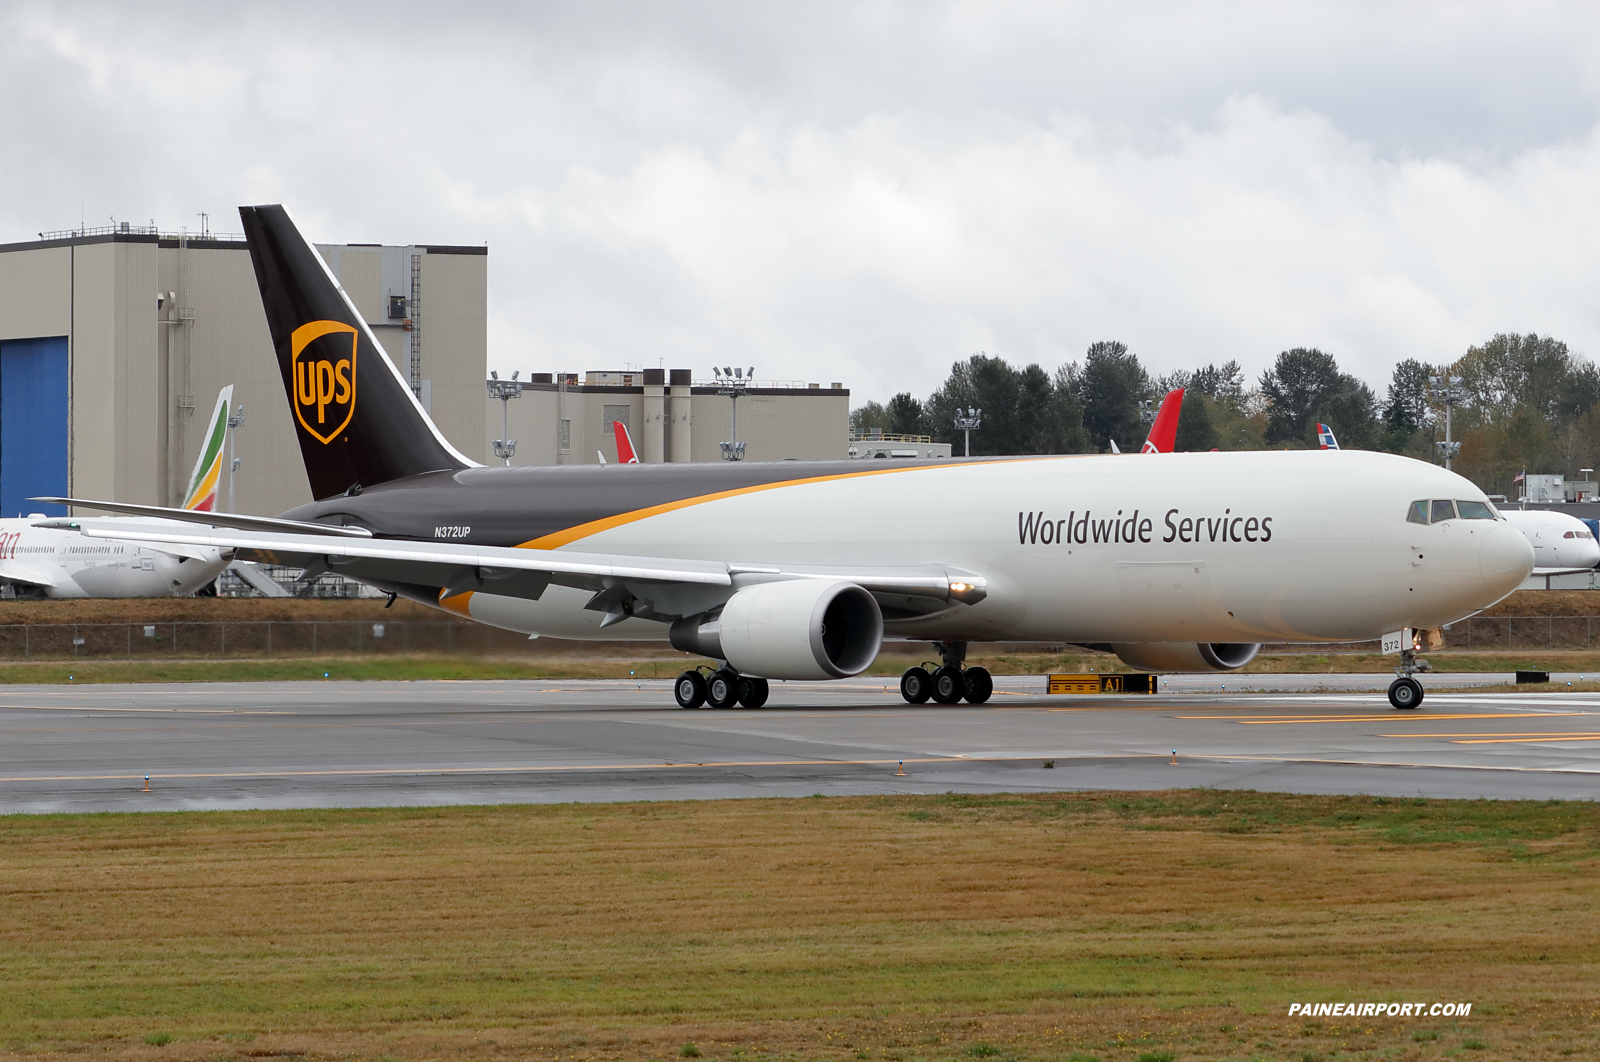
x,y
352,744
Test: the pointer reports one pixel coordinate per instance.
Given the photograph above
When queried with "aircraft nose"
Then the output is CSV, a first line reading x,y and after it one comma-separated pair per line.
x,y
1505,559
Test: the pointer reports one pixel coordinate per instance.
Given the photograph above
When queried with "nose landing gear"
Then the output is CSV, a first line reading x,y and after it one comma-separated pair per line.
x,y
1405,692
948,682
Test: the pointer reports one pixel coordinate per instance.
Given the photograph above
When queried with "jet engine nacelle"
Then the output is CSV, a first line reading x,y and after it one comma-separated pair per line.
x,y
1185,656
790,629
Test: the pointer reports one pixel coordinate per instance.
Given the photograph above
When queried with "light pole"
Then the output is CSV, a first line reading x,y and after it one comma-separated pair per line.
x,y
235,422
732,382
968,421
505,391
1447,389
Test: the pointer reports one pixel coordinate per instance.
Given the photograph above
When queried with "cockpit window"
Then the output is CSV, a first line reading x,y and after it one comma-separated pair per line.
x,y
1475,510
1418,513
1443,509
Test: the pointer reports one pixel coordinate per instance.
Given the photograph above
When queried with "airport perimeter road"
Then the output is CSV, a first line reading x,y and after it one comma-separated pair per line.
x,y
288,745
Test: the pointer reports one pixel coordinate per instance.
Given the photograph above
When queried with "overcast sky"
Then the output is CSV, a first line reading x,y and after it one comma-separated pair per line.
x,y
866,192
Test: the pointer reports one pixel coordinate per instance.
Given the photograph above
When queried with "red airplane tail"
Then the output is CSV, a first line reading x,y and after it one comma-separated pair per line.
x,y
625,454
1164,432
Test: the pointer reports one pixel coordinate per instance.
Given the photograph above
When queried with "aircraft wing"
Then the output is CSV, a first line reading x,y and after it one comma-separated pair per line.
x,y
14,572
623,586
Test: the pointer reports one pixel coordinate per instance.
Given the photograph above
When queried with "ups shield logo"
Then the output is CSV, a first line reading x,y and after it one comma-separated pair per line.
x,y
323,360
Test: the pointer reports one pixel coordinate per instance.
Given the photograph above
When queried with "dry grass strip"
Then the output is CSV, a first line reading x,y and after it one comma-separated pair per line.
x,y
1072,926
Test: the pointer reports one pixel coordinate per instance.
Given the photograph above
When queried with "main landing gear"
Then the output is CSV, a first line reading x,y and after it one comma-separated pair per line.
x,y
722,688
1405,692
948,682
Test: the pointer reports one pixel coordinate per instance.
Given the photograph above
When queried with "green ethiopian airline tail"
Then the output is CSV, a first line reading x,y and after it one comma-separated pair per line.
x,y
208,468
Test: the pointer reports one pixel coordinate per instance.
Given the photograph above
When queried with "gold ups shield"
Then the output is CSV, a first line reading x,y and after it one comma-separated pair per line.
x,y
323,361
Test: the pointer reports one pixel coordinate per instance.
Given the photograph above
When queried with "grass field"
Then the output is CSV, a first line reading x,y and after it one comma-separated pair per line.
x,y
1063,927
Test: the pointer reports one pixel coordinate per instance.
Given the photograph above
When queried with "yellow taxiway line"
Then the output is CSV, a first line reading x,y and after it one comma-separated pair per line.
x,y
1388,717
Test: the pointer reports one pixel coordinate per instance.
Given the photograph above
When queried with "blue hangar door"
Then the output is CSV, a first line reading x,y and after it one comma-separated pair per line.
x,y
33,424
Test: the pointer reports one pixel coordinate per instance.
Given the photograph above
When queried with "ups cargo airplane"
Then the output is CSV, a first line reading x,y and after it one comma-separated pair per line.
x,y
799,570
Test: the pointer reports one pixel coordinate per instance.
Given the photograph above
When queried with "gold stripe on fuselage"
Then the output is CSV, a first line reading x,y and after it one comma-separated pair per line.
x,y
557,539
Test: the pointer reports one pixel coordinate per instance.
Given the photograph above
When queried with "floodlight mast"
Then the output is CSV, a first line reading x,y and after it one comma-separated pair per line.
x,y
968,421
505,391
733,383
1447,389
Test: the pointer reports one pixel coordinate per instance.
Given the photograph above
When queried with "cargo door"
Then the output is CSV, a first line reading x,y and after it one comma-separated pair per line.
x,y
1167,599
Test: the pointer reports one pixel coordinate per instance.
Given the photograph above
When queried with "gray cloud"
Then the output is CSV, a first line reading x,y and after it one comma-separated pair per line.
x,y
865,192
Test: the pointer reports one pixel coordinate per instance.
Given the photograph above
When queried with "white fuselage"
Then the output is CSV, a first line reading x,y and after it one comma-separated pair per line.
x,y
64,563
1214,547
1560,542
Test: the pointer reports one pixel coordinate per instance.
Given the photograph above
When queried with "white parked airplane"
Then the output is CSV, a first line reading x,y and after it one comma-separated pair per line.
x,y
798,570
1561,543
59,563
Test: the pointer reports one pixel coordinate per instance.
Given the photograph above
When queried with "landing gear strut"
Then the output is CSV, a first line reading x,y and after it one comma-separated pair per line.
x,y
948,682
1405,692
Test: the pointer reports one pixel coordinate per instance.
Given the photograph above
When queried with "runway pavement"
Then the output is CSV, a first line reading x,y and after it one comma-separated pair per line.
x,y
349,744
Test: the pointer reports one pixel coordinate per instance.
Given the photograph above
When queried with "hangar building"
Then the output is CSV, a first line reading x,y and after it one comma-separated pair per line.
x,y
115,341
556,419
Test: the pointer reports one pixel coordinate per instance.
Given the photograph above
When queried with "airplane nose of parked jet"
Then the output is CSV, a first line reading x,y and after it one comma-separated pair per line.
x,y
1505,559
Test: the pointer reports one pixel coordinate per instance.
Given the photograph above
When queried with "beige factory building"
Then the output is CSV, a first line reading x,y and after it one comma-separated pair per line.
x,y
558,420
114,343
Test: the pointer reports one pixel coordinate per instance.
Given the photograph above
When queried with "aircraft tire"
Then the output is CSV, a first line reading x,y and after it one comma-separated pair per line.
x,y
916,685
979,684
948,686
722,689
690,690
1405,693
752,691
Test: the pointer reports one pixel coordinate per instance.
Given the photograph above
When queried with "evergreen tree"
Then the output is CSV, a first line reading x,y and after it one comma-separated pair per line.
x,y
1305,386
1109,388
1195,429
905,415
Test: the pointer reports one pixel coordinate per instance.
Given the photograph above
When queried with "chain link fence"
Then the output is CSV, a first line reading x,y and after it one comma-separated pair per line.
x,y
1486,633
129,641
266,638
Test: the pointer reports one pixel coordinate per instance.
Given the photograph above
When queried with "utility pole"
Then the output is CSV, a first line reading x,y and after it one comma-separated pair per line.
x,y
733,382
505,391
235,422
1447,389
968,421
